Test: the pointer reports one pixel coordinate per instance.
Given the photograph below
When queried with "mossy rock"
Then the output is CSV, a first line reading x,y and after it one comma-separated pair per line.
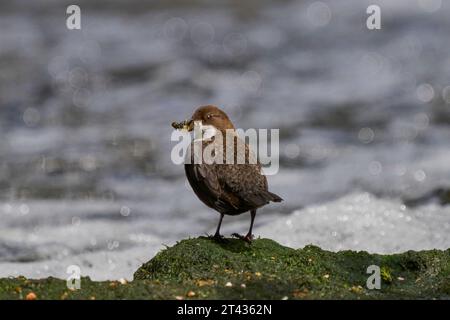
x,y
269,270
202,268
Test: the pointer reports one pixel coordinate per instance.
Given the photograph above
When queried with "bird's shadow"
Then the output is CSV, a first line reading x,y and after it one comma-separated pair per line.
x,y
231,244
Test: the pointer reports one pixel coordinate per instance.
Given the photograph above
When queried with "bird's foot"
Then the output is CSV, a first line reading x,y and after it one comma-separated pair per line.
x,y
247,238
218,238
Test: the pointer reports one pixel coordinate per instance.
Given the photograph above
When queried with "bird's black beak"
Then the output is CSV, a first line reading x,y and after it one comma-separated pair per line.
x,y
189,125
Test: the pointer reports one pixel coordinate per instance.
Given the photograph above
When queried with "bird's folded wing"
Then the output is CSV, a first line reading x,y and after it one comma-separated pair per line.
x,y
245,182
208,178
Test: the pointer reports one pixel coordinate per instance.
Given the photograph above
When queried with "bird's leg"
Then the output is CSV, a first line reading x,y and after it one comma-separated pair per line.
x,y
250,234
217,235
249,237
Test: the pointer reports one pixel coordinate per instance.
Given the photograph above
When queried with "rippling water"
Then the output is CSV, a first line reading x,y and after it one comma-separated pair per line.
x,y
85,170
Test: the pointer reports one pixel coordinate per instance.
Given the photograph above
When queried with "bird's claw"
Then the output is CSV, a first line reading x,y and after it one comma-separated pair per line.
x,y
248,238
218,238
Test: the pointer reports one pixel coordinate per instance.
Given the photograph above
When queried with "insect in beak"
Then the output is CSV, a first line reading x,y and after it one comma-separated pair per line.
x,y
187,125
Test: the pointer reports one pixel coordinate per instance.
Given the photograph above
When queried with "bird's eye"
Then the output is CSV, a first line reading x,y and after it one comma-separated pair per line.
x,y
208,116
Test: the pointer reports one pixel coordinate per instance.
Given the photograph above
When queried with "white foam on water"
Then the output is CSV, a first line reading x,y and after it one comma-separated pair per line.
x,y
360,221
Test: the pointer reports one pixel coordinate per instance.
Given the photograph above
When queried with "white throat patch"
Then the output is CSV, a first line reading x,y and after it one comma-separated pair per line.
x,y
203,133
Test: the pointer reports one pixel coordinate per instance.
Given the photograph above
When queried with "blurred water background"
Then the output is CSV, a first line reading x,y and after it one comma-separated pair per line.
x,y
85,170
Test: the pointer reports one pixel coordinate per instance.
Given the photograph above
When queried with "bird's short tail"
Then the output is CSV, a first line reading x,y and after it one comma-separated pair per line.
x,y
262,198
274,197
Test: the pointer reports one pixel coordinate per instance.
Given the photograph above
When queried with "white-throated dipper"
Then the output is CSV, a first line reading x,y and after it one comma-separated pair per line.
x,y
229,188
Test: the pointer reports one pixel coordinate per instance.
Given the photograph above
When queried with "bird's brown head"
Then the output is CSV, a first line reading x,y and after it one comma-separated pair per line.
x,y
212,116
208,116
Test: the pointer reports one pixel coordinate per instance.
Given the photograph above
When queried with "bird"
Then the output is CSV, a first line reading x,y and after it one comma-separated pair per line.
x,y
228,188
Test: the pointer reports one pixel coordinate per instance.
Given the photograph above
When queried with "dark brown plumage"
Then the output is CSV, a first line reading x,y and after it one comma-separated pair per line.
x,y
230,189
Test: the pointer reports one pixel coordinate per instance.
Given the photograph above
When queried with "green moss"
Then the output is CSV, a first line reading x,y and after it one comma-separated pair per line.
x,y
202,268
